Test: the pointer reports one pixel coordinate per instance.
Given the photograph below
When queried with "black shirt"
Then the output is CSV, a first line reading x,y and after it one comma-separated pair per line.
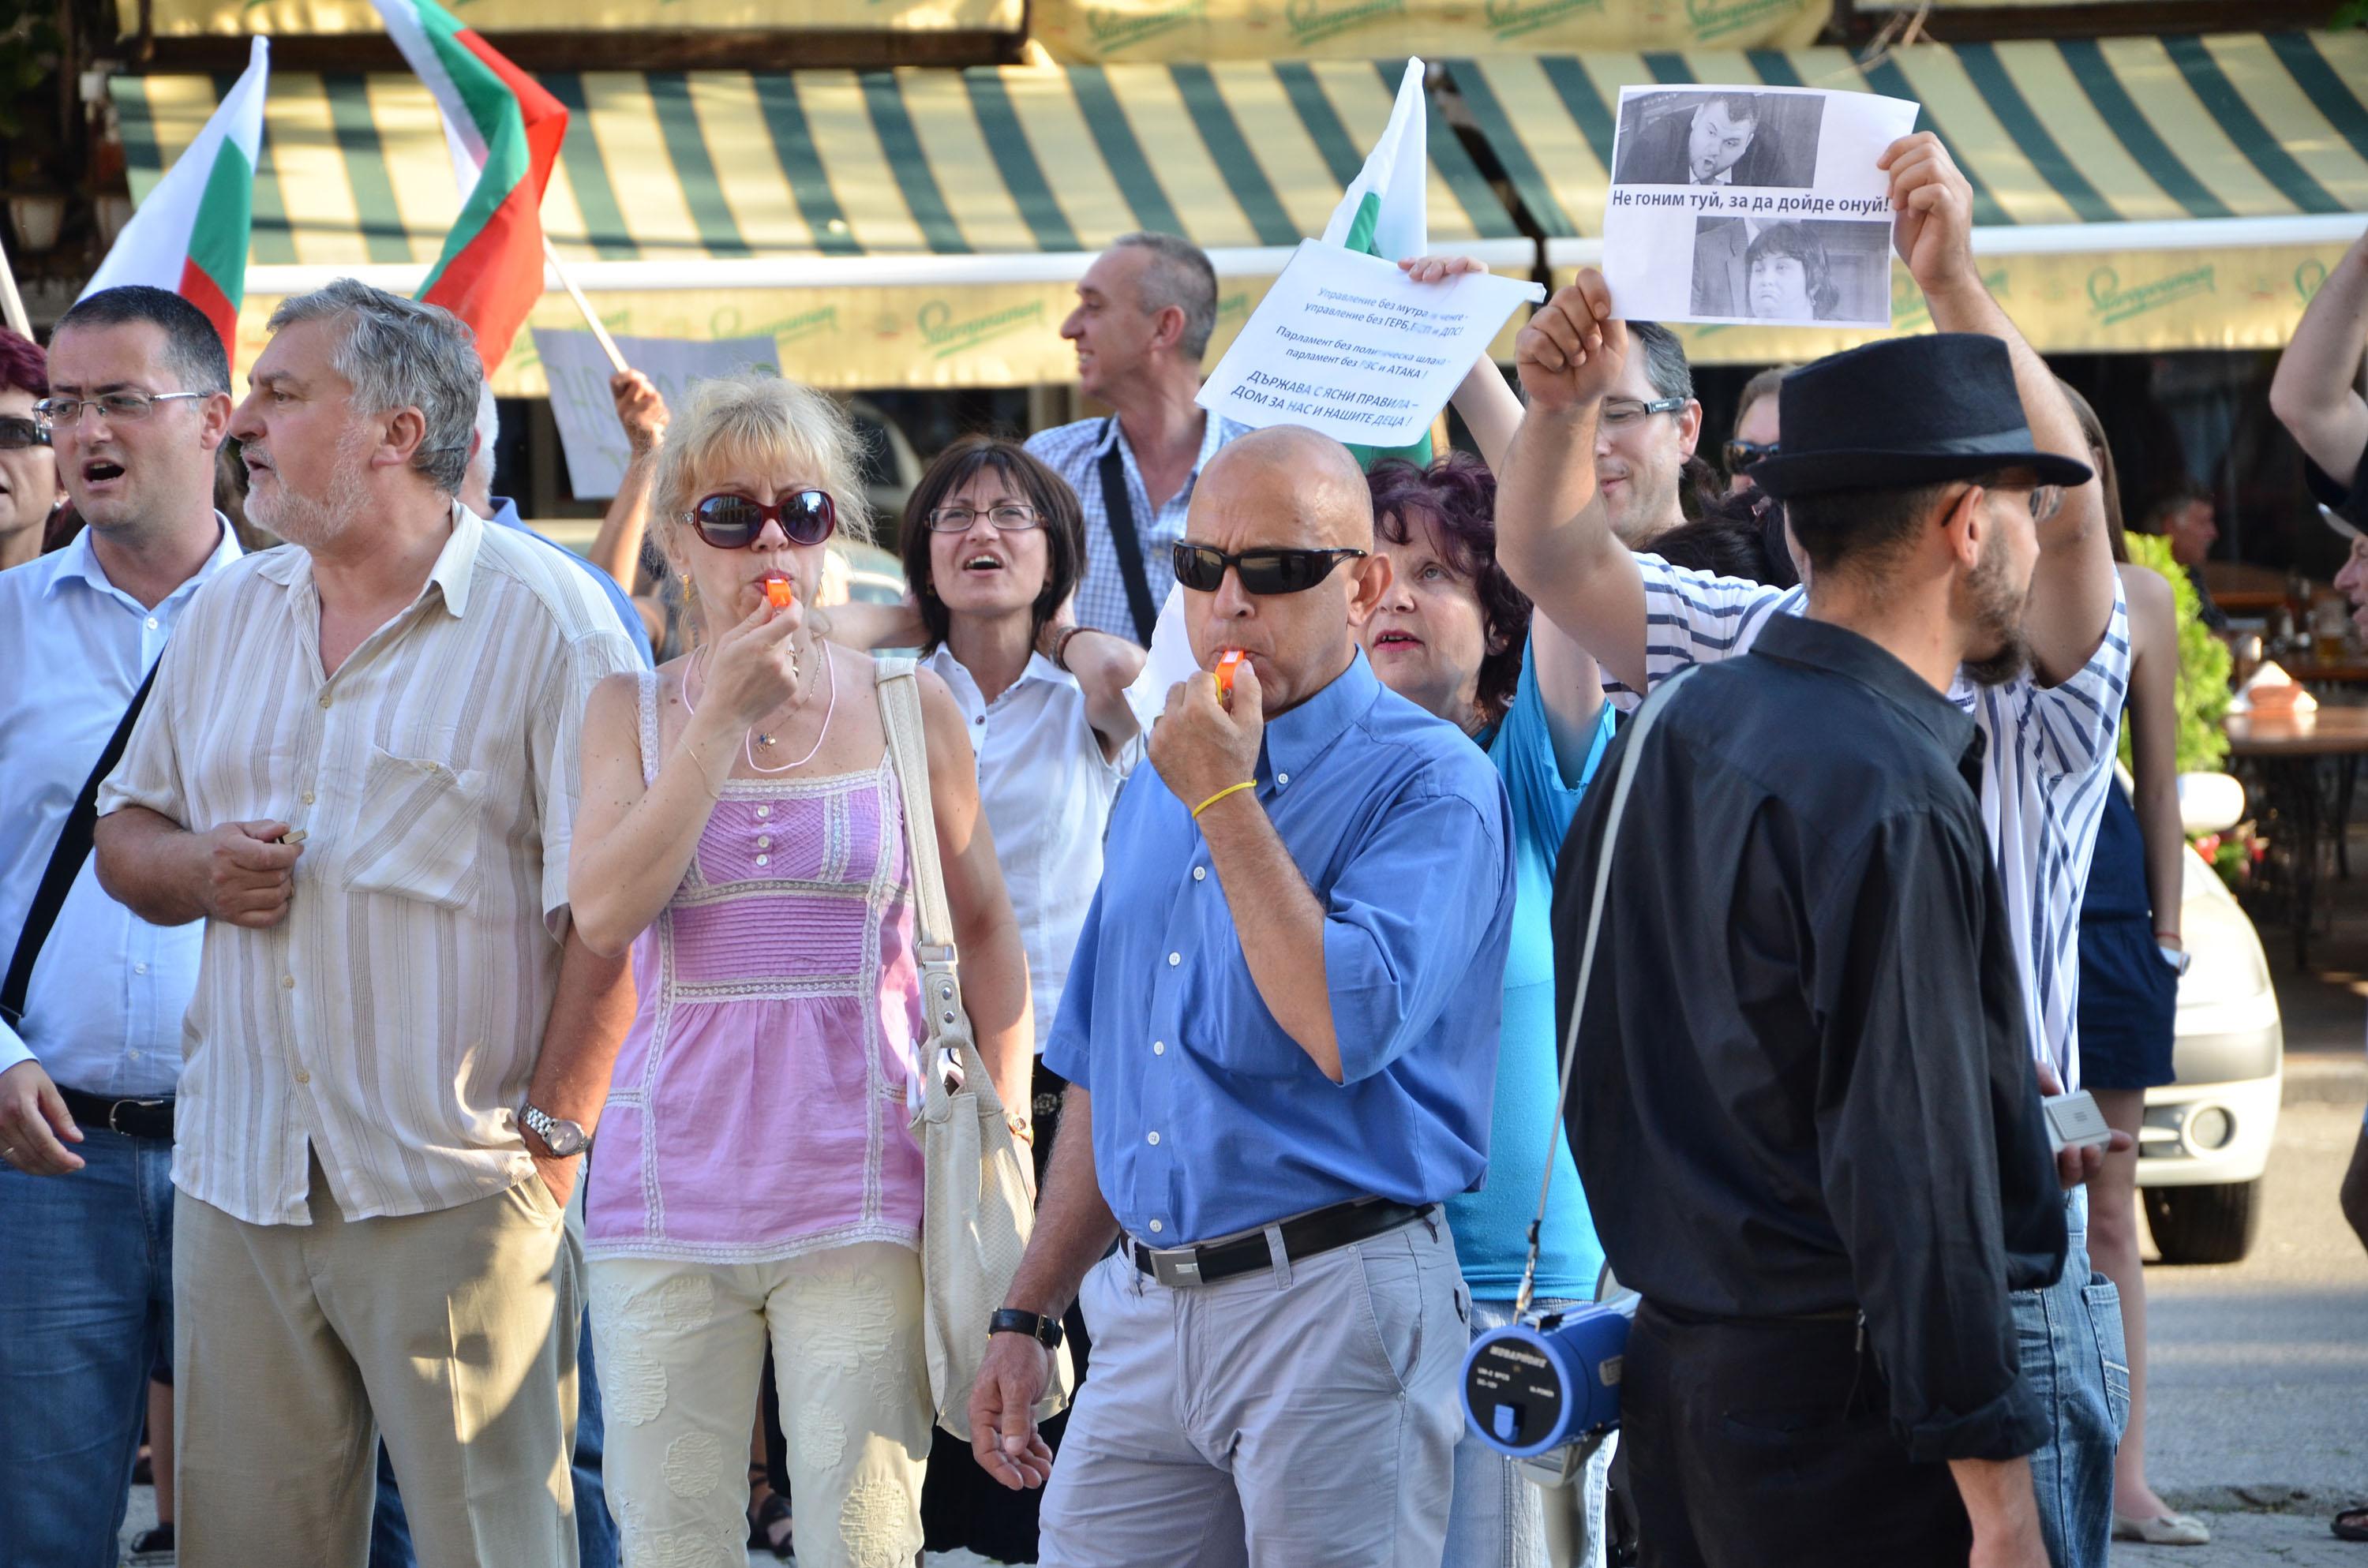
x,y
1804,1083
2349,503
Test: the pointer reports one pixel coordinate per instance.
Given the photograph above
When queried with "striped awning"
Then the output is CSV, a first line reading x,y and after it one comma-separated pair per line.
x,y
2129,193
298,18
919,227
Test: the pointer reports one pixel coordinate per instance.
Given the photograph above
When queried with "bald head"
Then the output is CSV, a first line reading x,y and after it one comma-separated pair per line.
x,y
1287,472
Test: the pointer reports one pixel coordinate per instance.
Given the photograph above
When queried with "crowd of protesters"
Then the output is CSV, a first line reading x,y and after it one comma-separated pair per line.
x,y
372,890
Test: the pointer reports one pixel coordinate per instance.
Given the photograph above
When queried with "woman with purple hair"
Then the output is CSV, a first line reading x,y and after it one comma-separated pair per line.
x,y
1453,635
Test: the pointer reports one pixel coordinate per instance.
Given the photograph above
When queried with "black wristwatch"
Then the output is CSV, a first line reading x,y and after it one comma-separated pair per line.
x,y
1035,1325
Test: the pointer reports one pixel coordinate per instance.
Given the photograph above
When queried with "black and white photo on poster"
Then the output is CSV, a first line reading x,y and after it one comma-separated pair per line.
x,y
1752,205
1723,136
1792,270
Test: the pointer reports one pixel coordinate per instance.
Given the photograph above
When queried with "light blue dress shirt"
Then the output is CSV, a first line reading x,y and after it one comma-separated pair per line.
x,y
1208,1118
506,514
103,1012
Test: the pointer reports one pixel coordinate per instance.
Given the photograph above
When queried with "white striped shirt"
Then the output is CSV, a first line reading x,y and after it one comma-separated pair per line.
x,y
2048,761
1075,452
391,1021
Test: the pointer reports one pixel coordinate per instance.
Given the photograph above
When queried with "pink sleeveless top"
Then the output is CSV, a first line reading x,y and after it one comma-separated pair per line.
x,y
759,1105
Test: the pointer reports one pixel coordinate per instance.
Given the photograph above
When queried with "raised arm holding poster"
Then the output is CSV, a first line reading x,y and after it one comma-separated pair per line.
x,y
1752,204
1348,345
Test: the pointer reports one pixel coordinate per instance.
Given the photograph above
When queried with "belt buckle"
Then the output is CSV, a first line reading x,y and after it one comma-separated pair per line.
x,y
1175,1268
114,1107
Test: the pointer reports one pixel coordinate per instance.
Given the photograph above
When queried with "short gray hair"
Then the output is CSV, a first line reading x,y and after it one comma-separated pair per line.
x,y
1179,274
1664,359
489,432
398,353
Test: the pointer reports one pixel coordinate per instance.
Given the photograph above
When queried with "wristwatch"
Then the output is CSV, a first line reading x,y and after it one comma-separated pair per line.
x,y
565,1138
1035,1325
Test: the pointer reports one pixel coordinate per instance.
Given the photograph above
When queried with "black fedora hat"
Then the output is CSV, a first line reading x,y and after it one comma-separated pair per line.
x,y
1902,413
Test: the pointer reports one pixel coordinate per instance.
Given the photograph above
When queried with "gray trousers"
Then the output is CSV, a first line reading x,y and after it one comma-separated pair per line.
x,y
1303,1416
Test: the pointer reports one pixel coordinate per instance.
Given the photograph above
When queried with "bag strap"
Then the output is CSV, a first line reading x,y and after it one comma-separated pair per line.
x,y
1120,509
1638,730
65,861
955,1061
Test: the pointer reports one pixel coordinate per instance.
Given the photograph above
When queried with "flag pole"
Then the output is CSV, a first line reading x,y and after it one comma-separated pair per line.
x,y
11,303
608,344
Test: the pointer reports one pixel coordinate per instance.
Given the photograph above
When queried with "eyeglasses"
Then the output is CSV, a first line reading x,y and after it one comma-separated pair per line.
x,y
1006,520
53,412
1201,568
2046,500
17,431
1619,412
734,522
1741,455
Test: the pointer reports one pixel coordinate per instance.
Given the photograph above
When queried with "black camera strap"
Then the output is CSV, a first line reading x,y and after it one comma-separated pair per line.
x,y
1120,509
65,862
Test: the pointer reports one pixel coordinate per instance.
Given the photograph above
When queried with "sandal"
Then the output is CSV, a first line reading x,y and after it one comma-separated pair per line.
x,y
768,1527
2350,1525
2163,1529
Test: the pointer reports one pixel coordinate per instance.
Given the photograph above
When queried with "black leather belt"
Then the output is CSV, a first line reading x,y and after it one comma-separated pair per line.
x,y
1303,1235
133,1118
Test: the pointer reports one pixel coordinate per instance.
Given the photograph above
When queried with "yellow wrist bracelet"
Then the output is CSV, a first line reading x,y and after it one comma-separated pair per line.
x,y
1228,790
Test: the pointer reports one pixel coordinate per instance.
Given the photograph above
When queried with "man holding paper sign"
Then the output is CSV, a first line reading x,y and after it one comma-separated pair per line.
x,y
2050,731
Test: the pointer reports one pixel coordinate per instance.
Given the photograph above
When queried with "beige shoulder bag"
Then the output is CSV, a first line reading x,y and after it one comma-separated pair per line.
x,y
979,1203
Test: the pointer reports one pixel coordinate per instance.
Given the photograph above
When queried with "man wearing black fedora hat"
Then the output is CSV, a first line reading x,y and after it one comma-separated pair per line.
x,y
1905,434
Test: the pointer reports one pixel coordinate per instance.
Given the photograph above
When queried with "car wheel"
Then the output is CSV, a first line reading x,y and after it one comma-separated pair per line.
x,y
2203,1224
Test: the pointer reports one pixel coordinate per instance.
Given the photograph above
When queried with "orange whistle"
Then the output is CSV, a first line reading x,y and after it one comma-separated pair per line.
x,y
1228,662
779,591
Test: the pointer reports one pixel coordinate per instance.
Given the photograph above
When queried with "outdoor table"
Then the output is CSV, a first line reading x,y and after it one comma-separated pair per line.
x,y
2286,748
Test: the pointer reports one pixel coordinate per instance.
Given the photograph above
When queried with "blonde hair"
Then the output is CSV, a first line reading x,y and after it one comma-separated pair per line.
x,y
754,420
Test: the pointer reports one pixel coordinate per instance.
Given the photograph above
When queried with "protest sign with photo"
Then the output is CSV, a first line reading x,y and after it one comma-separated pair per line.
x,y
1350,345
577,369
1752,205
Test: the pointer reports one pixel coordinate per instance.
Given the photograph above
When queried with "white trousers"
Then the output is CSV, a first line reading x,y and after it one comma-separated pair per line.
x,y
680,1347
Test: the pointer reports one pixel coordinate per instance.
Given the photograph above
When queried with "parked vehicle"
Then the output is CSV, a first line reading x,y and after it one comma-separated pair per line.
x,y
2205,1138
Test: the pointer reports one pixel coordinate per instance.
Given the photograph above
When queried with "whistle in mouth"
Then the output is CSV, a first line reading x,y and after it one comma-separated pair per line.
x,y
779,591
1228,662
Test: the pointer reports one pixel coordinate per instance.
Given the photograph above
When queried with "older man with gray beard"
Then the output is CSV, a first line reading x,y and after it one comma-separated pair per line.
x,y
358,764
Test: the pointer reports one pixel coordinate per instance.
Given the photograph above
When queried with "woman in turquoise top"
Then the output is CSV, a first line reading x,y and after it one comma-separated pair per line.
x,y
1453,635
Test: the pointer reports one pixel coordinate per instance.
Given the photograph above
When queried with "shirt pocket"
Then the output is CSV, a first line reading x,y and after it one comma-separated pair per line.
x,y
416,835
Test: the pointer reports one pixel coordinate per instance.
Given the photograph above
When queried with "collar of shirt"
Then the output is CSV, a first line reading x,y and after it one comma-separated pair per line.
x,y
957,676
79,561
1821,644
1724,177
456,563
1296,737
1215,433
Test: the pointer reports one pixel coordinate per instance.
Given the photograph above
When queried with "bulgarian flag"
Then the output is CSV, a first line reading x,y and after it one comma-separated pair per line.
x,y
1386,212
189,237
505,132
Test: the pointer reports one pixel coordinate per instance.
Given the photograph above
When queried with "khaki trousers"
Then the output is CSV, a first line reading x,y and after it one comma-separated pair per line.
x,y
297,1346
680,1347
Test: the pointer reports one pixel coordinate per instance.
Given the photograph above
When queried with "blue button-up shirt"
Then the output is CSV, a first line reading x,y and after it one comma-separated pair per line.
x,y
103,1011
1208,1118
506,514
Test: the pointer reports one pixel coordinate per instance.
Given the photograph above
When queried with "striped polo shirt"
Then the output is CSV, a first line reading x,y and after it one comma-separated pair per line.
x,y
2047,764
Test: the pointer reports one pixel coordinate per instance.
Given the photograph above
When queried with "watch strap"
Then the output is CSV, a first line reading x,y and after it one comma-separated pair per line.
x,y
1046,1330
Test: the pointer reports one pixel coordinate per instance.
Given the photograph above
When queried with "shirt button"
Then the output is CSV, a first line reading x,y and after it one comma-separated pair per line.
x,y
1153,1140
303,1076
764,810
324,700
1282,778
1200,873
306,797
287,982
152,623
764,841
140,969
1155,1227
134,1054
1173,959
1158,1048
764,859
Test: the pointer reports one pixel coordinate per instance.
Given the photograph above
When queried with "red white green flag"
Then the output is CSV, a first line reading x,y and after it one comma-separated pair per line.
x,y
505,132
189,237
1386,210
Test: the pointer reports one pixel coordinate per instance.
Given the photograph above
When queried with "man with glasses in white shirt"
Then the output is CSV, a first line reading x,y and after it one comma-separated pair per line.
x,y
90,1034
1646,436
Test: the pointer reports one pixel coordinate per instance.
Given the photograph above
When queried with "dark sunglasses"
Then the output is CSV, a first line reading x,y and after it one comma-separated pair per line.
x,y
734,522
1201,568
1741,455
17,431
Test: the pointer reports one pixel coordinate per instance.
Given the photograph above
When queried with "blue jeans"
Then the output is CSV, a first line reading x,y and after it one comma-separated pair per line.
x,y
596,1533
1497,1518
2075,1358
85,1310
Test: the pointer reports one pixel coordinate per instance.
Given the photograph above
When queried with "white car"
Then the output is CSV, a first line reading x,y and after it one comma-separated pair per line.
x,y
2205,1137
